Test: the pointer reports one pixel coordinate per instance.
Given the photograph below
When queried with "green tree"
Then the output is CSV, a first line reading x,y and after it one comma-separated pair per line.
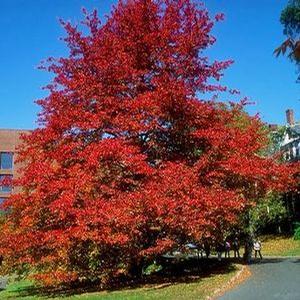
x,y
290,19
275,140
269,214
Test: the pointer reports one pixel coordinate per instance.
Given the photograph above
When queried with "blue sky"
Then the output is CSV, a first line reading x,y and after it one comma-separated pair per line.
x,y
30,32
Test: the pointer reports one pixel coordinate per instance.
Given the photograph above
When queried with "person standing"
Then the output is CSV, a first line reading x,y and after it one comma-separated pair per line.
x,y
219,250
257,248
236,248
206,247
227,249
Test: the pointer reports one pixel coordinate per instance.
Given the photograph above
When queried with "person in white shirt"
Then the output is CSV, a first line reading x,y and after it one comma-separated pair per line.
x,y
257,248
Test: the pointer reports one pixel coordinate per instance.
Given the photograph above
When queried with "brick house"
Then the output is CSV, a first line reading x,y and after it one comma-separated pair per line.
x,y
9,142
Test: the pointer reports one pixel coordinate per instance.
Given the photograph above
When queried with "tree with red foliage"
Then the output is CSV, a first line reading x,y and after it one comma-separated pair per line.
x,y
129,161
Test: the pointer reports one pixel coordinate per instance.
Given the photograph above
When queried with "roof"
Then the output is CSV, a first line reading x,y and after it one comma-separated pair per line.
x,y
14,130
293,132
295,129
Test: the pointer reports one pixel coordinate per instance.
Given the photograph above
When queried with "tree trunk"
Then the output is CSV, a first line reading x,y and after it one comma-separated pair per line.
x,y
248,248
136,269
248,240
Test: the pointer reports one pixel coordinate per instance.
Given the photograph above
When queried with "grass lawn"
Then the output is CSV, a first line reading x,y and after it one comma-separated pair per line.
x,y
192,288
273,245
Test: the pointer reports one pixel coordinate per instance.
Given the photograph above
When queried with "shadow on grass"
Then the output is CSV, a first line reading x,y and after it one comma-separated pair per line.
x,y
191,271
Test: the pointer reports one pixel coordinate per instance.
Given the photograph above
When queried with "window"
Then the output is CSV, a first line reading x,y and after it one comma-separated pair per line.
x,y
287,155
6,160
5,183
2,210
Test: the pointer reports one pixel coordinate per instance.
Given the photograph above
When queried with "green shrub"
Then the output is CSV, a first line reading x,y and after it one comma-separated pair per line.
x,y
297,231
153,268
297,234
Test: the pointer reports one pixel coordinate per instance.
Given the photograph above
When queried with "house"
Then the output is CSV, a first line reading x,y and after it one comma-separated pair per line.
x,y
10,140
291,152
291,140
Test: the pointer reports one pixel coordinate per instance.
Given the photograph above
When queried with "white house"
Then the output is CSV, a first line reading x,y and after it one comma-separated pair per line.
x,y
291,142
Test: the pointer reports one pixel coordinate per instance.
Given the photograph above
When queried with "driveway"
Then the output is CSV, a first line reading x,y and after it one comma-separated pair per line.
x,y
272,278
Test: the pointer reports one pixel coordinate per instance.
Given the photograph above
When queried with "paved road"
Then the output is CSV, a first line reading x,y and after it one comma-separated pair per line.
x,y
273,278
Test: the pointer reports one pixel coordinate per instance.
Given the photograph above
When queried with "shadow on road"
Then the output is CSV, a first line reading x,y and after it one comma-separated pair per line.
x,y
267,260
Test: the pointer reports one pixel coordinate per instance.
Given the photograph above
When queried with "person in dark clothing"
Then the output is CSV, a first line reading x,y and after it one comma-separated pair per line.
x,y
219,249
236,248
206,247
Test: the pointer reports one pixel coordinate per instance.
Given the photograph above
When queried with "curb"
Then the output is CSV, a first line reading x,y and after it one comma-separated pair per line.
x,y
282,257
243,274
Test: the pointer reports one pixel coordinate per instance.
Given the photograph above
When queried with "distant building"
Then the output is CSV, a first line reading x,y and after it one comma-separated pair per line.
x,y
9,141
291,142
291,152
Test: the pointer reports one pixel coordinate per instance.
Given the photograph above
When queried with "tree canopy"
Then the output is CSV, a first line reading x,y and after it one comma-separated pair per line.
x,y
290,19
129,161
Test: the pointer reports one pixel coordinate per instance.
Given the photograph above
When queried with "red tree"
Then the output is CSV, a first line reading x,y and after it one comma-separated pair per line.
x,y
129,161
